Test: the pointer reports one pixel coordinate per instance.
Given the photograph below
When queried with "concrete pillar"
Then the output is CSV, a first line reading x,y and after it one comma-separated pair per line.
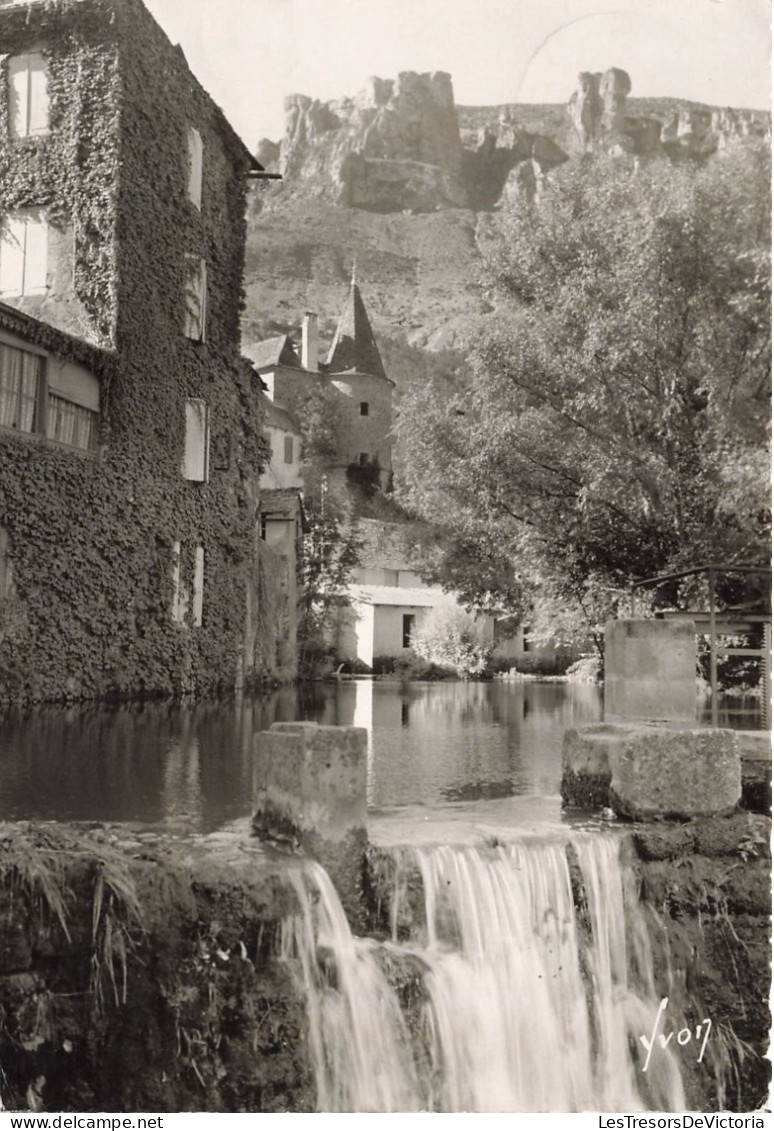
x,y
650,671
310,793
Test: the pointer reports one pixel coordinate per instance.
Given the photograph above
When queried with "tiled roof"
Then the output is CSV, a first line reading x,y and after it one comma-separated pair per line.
x,y
285,500
271,352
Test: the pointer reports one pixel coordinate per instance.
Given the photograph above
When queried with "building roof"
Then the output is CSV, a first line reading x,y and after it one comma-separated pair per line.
x,y
354,348
397,595
272,352
48,337
281,500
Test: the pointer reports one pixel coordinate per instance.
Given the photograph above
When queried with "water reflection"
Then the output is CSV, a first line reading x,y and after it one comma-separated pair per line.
x,y
190,766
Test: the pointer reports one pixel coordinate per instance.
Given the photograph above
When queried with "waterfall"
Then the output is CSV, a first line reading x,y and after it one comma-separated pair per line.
x,y
536,984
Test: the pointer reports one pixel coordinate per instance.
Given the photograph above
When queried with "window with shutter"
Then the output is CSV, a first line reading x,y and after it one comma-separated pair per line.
x,y
23,254
28,95
21,374
198,586
196,456
195,166
195,298
288,449
179,590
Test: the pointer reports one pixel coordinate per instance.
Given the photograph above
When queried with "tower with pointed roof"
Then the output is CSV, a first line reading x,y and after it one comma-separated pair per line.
x,y
352,377
363,392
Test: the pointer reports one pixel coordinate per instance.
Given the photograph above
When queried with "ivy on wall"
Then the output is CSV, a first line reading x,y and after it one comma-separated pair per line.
x,y
91,536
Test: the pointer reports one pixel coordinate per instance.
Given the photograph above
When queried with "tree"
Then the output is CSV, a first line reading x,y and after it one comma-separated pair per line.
x,y
614,418
330,544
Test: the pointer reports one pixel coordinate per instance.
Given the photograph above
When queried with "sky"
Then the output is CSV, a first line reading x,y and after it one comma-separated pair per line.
x,y
250,54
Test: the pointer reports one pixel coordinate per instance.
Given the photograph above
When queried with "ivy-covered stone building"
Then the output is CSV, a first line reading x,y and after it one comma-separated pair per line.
x,y
131,435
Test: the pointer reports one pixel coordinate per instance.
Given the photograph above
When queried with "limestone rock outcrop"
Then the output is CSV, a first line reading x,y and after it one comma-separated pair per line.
x,y
396,145
598,110
599,120
267,152
404,146
508,162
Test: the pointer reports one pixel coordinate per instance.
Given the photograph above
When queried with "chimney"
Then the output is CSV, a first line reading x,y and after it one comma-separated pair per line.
x,y
309,343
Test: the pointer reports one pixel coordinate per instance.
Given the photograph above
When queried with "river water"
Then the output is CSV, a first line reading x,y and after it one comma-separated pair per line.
x,y
189,767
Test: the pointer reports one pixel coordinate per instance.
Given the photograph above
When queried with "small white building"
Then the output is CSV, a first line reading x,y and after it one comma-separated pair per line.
x,y
388,600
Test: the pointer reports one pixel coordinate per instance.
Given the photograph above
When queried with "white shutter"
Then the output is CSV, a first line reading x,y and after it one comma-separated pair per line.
x,y
37,122
195,298
198,585
178,610
18,92
195,166
35,254
12,256
197,441
203,299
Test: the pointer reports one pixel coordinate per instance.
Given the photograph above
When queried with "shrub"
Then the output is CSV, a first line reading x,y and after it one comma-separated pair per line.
x,y
454,638
409,666
588,669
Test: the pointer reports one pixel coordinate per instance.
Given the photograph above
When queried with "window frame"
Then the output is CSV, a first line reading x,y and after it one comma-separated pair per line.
x,y
200,278
197,404
27,217
42,411
26,132
195,145
364,408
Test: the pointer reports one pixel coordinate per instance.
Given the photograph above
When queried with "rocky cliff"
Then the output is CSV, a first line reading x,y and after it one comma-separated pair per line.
x,y
404,181
404,145
602,120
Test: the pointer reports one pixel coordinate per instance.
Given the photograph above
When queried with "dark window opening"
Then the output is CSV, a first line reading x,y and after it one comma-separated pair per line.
x,y
364,459
263,527
364,408
408,628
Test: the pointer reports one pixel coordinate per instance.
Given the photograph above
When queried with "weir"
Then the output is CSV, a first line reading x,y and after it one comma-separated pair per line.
x,y
532,985
520,974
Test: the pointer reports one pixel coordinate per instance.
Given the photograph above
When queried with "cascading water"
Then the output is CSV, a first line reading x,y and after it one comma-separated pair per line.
x,y
357,1036
535,994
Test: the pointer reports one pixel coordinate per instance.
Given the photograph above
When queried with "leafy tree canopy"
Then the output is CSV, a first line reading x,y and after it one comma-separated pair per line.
x,y
613,421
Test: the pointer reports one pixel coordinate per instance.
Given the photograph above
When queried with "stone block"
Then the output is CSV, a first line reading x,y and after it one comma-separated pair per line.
x,y
310,779
650,671
645,771
586,766
673,772
310,791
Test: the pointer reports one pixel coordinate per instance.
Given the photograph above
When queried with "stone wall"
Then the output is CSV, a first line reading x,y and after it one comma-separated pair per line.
x,y
137,975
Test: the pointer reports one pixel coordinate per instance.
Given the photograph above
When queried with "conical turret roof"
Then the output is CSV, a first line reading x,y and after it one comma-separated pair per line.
x,y
354,347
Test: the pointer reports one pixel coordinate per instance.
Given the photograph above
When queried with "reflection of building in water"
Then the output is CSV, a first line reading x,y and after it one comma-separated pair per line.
x,y
363,716
181,789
